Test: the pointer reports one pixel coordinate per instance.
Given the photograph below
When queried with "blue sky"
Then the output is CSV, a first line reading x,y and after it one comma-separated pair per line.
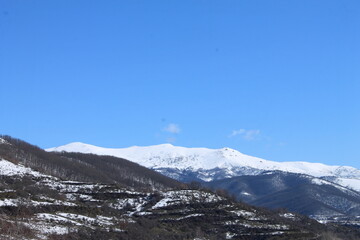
x,y
274,79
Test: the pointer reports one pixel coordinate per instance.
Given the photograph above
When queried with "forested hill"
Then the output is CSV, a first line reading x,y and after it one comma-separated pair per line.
x,y
84,167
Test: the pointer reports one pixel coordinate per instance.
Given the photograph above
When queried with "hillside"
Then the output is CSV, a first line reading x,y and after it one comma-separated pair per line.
x,y
37,206
84,167
296,192
326,193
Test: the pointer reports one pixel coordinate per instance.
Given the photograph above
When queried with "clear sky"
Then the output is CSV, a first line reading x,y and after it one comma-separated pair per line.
x,y
274,79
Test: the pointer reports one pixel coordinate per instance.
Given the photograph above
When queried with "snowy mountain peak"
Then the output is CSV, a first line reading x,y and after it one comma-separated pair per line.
x,y
169,156
166,155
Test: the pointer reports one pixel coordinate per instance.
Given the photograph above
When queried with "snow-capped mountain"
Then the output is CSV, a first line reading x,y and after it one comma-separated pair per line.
x,y
65,210
212,164
78,196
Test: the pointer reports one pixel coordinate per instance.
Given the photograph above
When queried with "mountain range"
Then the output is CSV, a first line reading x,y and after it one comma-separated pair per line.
x,y
58,196
203,164
314,189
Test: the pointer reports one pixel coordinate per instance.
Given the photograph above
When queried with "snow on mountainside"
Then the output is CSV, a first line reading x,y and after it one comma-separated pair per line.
x,y
39,207
234,163
3,141
10,169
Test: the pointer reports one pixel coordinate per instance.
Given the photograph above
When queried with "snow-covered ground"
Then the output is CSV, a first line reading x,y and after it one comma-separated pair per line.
x,y
185,197
10,169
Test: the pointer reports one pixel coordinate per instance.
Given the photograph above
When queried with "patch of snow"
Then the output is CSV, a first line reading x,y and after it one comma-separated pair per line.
x,y
71,196
190,216
55,218
287,215
243,213
143,213
319,181
8,202
47,228
229,235
128,202
10,169
3,141
81,218
185,197
265,226
245,193
7,191
19,201
341,187
70,187
56,202
348,182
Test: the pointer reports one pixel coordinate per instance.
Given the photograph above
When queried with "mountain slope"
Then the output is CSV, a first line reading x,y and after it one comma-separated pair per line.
x,y
188,164
37,205
84,167
296,192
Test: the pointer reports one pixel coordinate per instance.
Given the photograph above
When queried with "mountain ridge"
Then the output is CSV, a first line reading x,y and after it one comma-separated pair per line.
x,y
207,163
